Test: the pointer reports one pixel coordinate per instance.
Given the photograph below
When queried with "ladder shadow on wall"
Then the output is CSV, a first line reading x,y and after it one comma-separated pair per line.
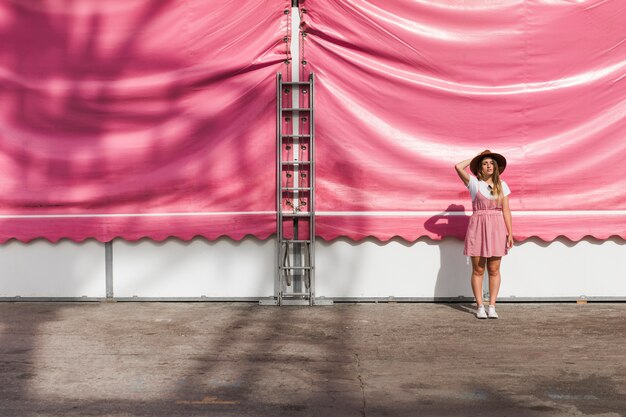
x,y
454,268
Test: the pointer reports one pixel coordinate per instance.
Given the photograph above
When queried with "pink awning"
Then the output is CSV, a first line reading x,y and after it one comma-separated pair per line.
x,y
407,89
144,118
155,118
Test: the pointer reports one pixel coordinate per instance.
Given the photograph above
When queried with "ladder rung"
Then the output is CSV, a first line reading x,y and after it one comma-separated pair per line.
x,y
299,268
296,136
296,162
295,188
296,294
302,109
307,214
295,241
296,83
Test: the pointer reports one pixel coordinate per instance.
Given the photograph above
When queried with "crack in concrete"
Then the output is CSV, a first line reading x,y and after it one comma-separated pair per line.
x,y
360,377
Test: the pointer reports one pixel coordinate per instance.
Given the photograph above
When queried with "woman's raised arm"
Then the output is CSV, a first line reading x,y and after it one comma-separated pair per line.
x,y
460,169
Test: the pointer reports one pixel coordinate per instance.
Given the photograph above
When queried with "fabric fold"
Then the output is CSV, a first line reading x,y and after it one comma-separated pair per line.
x,y
110,112
407,89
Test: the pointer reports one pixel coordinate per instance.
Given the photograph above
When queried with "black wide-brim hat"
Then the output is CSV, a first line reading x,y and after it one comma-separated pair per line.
x,y
501,160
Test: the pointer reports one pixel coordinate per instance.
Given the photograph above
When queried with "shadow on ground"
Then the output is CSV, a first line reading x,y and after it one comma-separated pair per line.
x,y
165,359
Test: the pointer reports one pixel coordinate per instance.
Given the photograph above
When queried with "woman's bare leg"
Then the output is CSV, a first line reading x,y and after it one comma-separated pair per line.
x,y
493,269
478,272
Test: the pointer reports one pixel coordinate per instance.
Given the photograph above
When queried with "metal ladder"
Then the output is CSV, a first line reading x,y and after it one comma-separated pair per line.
x,y
295,193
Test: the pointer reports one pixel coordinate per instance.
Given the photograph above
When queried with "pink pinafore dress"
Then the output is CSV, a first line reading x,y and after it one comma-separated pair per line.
x,y
486,232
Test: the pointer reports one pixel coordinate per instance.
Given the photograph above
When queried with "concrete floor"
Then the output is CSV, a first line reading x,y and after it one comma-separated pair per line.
x,y
228,359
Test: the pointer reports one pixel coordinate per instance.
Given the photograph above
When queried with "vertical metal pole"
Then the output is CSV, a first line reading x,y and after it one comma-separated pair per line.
x,y
108,269
312,186
279,168
297,275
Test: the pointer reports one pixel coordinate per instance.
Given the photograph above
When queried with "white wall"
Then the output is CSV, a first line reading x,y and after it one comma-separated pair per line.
x,y
427,269
43,269
371,269
220,269
226,269
565,269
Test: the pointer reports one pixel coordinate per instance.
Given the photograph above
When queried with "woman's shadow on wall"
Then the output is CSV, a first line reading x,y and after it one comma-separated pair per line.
x,y
453,279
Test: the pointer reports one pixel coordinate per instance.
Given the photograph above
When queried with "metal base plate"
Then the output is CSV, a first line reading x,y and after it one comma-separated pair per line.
x,y
268,302
323,302
296,302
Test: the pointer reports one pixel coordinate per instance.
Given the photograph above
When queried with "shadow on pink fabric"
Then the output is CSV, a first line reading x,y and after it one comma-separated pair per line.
x,y
145,118
156,118
407,89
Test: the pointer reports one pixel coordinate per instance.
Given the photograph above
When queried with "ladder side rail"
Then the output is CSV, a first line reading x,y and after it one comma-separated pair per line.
x,y
279,216
298,276
312,185
306,102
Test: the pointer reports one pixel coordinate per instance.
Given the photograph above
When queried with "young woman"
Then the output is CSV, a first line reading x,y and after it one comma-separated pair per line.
x,y
490,230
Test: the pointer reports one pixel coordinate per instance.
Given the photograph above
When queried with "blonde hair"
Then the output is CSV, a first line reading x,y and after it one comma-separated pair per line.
x,y
496,190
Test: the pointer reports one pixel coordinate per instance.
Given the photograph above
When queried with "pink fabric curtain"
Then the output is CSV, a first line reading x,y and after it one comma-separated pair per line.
x,y
156,118
139,118
408,88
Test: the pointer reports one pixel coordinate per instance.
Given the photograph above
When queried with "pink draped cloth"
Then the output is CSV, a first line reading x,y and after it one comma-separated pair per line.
x,y
408,88
142,118
156,118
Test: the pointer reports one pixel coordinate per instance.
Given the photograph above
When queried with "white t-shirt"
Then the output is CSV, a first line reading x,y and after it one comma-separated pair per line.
x,y
474,185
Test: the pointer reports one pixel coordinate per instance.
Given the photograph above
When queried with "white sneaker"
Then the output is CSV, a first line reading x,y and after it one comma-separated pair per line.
x,y
491,312
480,312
